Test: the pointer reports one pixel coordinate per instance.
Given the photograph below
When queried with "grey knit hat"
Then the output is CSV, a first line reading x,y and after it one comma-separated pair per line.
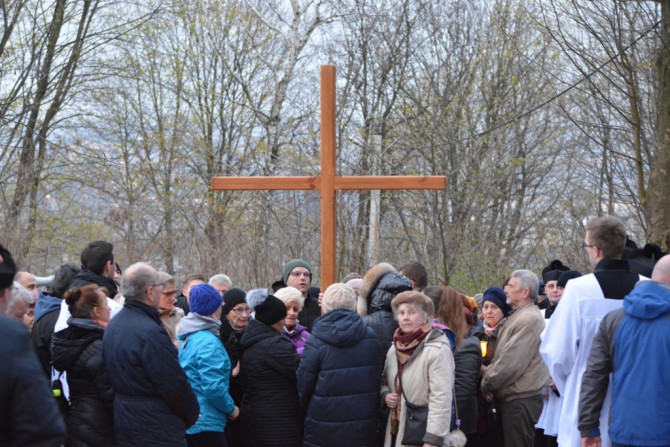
x,y
293,263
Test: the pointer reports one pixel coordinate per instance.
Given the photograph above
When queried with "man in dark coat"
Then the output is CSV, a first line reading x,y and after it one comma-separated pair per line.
x,y
339,377
154,403
29,416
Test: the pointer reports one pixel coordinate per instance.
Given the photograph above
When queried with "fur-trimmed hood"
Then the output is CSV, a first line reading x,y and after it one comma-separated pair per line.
x,y
380,285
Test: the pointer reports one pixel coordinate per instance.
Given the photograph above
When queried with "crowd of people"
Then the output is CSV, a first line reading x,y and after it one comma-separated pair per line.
x,y
98,356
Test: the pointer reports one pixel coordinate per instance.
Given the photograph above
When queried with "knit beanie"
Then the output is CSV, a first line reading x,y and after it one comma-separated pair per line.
x,y
293,263
338,296
232,298
204,299
268,309
497,296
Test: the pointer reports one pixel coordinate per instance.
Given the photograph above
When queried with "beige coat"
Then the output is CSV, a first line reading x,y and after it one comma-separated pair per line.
x,y
428,379
517,369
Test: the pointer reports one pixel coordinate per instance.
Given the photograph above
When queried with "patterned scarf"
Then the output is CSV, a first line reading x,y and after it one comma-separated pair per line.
x,y
493,330
405,344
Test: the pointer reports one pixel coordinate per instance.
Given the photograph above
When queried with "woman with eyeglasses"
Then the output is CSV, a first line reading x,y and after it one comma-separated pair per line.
x,y
297,333
77,350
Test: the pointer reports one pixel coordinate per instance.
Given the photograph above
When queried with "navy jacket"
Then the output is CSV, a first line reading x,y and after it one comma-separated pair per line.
x,y
269,411
339,379
29,416
154,403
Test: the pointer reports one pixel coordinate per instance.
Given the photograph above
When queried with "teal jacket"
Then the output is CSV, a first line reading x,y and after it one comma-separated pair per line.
x,y
207,366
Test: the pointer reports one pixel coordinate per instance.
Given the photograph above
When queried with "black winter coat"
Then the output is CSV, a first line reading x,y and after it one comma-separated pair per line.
x,y
29,416
467,360
269,412
41,338
77,350
154,403
339,379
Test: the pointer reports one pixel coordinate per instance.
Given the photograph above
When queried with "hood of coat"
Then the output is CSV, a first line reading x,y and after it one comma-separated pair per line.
x,y
255,332
68,344
648,300
389,286
194,322
372,278
340,327
46,304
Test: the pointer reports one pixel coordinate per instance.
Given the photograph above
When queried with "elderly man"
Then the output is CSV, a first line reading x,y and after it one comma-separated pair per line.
x,y
154,403
566,342
222,283
517,373
631,344
28,412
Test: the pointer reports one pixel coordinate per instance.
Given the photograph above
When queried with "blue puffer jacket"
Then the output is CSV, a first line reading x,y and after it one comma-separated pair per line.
x,y
154,403
339,379
640,413
207,367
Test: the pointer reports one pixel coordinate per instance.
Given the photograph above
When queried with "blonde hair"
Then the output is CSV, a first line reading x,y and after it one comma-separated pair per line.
x,y
290,294
451,313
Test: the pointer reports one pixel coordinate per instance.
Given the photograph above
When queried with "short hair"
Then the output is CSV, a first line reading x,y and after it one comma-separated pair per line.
x,y
221,279
19,293
166,278
136,280
81,300
288,294
349,276
63,276
416,272
527,280
193,277
96,255
607,233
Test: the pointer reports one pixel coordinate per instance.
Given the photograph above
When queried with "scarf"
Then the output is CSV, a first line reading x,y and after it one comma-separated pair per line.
x,y
494,330
236,329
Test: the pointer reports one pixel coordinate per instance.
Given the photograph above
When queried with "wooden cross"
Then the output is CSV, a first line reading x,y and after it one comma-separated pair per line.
x,y
328,182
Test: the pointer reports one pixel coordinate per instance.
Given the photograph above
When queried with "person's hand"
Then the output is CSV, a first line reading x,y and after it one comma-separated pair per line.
x,y
488,397
236,370
320,298
592,441
391,400
236,412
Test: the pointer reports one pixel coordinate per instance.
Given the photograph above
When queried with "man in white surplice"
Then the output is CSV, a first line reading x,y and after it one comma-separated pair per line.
x,y
566,342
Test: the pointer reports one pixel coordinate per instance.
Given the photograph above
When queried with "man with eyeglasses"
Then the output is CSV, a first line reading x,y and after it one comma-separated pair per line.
x,y
170,314
566,342
153,402
298,273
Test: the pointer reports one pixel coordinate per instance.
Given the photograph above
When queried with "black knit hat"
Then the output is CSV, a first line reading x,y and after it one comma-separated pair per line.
x,y
270,311
232,298
553,270
7,268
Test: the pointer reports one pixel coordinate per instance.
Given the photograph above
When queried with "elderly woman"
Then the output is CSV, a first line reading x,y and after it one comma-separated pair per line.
x,y
269,414
339,375
297,333
77,350
19,304
419,370
207,366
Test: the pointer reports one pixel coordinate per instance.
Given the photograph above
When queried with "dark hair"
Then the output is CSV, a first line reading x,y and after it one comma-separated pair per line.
x,y
193,277
467,310
63,276
415,272
82,300
96,255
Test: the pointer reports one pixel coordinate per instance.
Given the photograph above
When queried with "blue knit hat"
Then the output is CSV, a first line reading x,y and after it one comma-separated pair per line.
x,y
497,296
204,299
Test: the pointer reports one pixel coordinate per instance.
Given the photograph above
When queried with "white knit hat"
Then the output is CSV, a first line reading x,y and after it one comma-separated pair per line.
x,y
338,296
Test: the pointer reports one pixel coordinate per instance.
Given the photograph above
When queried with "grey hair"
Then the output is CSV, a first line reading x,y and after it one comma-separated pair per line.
x,y
416,306
221,280
165,278
136,280
63,276
527,280
19,293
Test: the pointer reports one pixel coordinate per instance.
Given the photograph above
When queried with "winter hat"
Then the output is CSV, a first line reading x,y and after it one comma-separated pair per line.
x,y
232,298
293,263
290,294
553,270
567,276
421,299
355,283
268,309
497,296
7,268
338,296
204,299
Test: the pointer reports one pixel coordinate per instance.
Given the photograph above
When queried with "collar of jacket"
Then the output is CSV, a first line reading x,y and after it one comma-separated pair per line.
x,y
612,264
142,307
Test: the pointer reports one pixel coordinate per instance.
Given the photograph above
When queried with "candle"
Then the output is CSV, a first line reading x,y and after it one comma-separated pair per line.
x,y
483,344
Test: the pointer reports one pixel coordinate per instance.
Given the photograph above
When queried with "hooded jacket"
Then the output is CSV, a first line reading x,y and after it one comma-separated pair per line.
x,y
269,412
380,285
632,343
77,350
47,310
339,380
207,366
154,403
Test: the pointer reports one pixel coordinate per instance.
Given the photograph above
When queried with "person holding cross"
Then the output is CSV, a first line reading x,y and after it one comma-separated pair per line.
x,y
298,273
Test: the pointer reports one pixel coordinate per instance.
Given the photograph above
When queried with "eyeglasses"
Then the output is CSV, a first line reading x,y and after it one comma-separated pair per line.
x,y
299,274
159,285
585,245
241,310
170,293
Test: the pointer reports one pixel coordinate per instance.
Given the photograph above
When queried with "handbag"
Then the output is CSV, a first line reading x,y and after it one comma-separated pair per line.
x,y
456,437
416,420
